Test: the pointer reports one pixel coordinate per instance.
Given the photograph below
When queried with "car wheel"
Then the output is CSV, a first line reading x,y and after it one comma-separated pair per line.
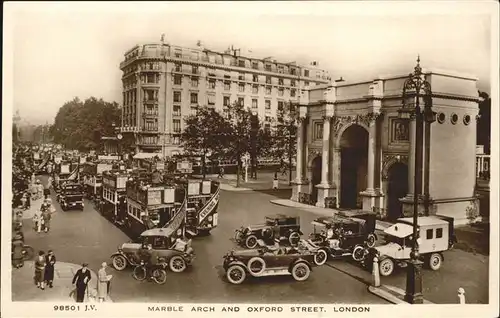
x,y
320,257
28,252
238,236
371,240
435,261
386,267
177,264
294,238
139,273
119,262
301,272
251,241
256,266
358,253
236,274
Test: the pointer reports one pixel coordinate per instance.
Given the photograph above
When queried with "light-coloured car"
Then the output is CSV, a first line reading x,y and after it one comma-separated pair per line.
x,y
435,235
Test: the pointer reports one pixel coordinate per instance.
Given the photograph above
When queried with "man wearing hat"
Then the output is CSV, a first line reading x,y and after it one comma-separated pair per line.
x,y
81,279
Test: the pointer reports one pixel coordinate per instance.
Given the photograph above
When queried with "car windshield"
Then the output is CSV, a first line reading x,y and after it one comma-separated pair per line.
x,y
271,222
76,189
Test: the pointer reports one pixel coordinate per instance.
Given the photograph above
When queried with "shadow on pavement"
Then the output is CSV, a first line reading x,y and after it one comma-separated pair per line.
x,y
278,193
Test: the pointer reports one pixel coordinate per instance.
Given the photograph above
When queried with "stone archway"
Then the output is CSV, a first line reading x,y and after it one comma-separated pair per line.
x,y
397,188
316,163
353,144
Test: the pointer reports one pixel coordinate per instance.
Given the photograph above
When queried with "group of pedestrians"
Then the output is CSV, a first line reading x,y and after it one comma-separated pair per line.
x,y
44,269
43,216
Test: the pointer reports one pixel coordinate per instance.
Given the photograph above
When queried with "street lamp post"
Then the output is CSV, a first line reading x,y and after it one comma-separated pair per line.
x,y
416,86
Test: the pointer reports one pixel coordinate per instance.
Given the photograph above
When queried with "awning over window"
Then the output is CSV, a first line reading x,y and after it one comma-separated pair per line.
x,y
147,155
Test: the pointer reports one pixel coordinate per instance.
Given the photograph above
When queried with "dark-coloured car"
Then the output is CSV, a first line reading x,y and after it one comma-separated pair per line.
x,y
177,252
277,228
71,196
343,235
267,261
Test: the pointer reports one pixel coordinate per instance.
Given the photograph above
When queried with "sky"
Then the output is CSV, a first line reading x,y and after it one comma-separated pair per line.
x,y
62,51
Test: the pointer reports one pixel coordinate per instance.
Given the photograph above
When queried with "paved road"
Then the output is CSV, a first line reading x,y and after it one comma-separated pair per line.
x,y
79,236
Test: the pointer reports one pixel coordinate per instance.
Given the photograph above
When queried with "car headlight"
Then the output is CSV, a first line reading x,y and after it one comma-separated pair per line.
x,y
210,218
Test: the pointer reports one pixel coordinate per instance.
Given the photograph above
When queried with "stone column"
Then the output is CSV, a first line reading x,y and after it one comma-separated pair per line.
x,y
326,151
325,187
370,194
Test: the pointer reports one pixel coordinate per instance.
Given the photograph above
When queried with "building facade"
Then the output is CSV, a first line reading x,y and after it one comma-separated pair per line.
x,y
354,152
162,84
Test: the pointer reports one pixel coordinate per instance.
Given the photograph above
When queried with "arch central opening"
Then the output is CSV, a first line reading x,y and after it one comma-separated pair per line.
x,y
353,166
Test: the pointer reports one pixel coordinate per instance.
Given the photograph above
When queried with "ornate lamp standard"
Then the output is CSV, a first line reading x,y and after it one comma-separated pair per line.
x,y
416,87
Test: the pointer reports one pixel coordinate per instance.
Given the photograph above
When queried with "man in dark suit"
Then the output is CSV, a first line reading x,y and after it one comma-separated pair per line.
x,y
81,278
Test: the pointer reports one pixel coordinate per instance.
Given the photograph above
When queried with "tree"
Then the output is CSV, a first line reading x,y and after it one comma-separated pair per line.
x,y
204,134
484,124
284,134
259,142
80,125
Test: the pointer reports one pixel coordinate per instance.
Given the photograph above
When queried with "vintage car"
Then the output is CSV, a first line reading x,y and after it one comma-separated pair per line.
x,y
343,235
435,235
71,196
178,253
268,261
279,227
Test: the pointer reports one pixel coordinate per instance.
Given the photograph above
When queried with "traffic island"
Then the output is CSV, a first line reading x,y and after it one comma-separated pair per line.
x,y
392,294
25,289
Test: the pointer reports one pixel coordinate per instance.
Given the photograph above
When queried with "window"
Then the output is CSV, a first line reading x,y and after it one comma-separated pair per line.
x,y
268,90
194,82
268,67
255,65
178,53
293,71
280,81
428,234
281,69
268,104
176,125
255,89
177,80
194,69
177,97
318,131
306,73
439,233
292,83
241,77
241,63
241,101
268,79
255,78
241,88
194,98
226,101
280,105
254,103
227,86
268,119
306,83
178,67
280,92
211,84
454,119
318,74
176,140
177,110
151,79
292,93
211,100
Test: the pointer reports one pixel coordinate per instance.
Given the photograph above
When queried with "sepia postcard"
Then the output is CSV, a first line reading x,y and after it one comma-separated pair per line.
x,y
277,158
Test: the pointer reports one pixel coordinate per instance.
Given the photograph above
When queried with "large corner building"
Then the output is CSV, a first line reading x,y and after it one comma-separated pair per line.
x,y
162,84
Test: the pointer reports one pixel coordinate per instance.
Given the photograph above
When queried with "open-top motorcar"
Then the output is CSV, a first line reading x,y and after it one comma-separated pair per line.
x,y
280,228
176,252
435,235
71,196
268,261
343,235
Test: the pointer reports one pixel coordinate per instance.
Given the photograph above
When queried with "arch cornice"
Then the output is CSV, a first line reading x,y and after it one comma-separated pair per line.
x,y
388,160
312,154
341,123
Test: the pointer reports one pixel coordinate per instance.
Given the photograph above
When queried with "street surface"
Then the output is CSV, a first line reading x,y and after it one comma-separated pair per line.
x,y
85,236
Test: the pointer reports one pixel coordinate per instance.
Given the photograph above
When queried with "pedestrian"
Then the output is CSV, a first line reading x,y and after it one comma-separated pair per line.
x,y
40,270
38,221
46,216
28,199
104,282
221,173
81,279
50,261
17,250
